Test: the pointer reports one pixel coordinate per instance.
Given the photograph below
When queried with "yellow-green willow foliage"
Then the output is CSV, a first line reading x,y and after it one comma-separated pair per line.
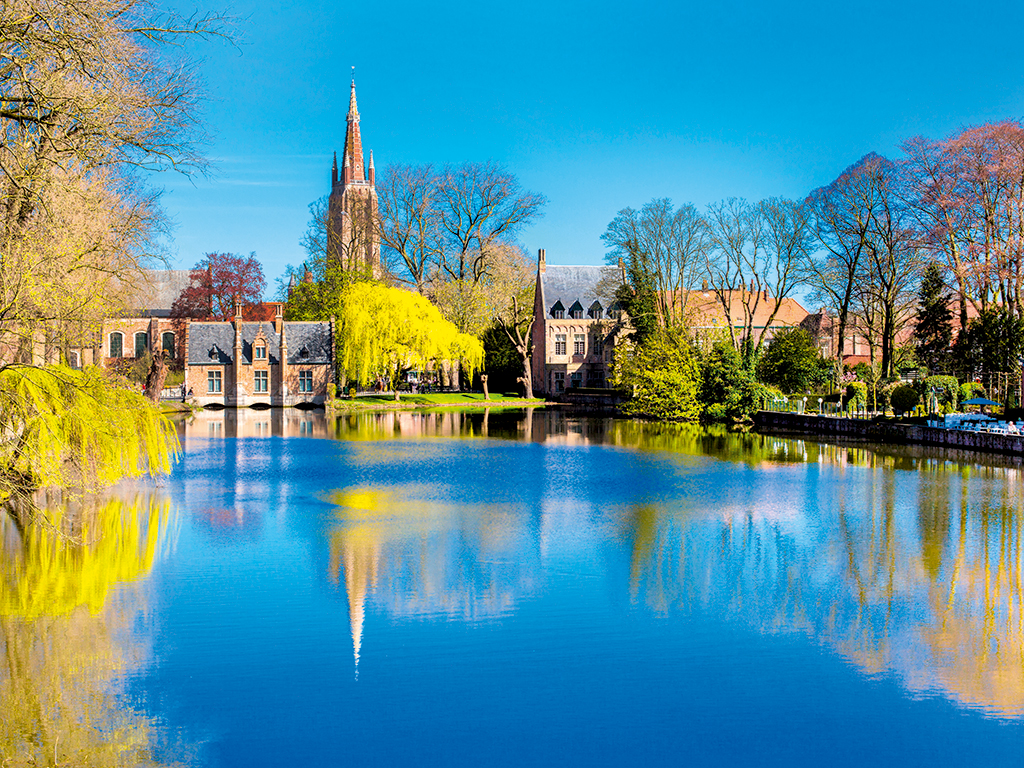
x,y
52,573
384,329
61,427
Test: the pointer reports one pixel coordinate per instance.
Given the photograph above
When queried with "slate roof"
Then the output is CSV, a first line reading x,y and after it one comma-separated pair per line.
x,y
155,295
584,284
213,343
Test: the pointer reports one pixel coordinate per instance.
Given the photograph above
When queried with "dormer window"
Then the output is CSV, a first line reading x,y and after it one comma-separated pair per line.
x,y
260,352
303,352
595,311
213,352
558,311
576,311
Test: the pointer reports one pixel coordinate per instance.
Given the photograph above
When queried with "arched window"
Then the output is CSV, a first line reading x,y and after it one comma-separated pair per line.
x,y
141,343
116,344
167,343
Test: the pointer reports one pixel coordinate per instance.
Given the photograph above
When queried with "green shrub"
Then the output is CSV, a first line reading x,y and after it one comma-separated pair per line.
x,y
856,396
903,399
792,361
332,391
971,389
946,389
663,376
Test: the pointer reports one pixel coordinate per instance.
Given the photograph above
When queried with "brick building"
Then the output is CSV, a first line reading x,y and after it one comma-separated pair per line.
x,y
577,324
238,363
352,237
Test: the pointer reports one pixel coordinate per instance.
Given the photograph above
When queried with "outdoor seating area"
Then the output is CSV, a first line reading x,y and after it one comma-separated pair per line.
x,y
975,422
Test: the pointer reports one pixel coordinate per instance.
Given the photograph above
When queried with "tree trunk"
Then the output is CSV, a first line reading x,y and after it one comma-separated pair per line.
x,y
156,377
483,380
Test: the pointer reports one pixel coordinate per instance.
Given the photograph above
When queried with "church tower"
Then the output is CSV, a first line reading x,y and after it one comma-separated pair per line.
x,y
352,238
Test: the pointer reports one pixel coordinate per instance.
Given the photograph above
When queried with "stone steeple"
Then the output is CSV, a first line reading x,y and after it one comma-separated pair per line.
x,y
353,142
352,238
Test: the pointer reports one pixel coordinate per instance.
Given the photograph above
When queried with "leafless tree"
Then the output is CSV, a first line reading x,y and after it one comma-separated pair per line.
x,y
841,217
667,245
480,205
409,221
753,264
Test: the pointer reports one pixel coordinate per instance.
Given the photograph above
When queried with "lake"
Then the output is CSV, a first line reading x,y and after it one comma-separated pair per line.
x,y
520,588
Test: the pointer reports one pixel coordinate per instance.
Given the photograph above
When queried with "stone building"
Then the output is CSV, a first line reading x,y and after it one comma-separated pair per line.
x,y
352,238
238,363
576,325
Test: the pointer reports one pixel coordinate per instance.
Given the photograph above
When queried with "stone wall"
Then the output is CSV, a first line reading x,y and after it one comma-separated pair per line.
x,y
887,432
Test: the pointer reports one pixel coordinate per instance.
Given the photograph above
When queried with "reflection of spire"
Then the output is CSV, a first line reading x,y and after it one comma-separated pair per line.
x,y
360,558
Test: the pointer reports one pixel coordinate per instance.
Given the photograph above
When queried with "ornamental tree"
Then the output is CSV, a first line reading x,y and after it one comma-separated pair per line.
x,y
216,281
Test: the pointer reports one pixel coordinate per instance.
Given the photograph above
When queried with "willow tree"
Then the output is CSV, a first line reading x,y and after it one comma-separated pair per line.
x,y
68,428
385,330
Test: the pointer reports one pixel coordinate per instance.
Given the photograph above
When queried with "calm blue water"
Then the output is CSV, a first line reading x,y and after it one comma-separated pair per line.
x,y
442,589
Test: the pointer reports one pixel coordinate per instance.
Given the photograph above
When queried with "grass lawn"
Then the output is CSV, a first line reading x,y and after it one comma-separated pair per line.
x,y
446,398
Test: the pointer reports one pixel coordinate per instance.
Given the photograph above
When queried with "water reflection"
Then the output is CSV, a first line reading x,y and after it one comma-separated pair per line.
x,y
420,556
912,574
67,632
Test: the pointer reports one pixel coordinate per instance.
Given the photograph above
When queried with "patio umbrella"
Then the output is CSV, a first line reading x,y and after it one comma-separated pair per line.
x,y
979,401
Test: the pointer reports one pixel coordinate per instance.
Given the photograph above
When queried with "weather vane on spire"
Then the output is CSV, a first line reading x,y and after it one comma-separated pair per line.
x,y
353,75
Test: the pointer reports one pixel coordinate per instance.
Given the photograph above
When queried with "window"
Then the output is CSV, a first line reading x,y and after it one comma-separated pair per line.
x,y
141,343
559,379
116,342
597,346
559,343
305,381
167,343
261,352
261,381
576,311
558,310
579,344
595,378
577,379
213,381
595,310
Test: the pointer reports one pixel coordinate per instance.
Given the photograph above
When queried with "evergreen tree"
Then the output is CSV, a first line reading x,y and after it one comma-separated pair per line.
x,y
933,333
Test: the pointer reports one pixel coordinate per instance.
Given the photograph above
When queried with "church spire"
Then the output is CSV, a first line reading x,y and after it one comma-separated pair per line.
x,y
353,141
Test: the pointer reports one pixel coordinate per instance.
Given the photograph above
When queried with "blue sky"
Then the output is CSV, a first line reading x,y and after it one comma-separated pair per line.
x,y
598,106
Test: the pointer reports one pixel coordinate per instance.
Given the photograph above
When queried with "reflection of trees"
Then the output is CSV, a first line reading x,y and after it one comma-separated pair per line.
x,y
62,632
929,591
417,555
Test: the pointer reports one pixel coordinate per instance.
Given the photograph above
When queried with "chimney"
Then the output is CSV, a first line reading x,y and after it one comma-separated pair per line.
x,y
238,309
751,285
704,286
541,261
766,294
371,168
279,317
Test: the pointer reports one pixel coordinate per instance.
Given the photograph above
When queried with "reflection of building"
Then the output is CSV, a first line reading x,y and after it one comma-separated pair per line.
x,y
413,555
240,364
352,238
251,422
577,323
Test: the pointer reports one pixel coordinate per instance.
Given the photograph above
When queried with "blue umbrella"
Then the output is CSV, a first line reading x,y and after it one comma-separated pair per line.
x,y
979,401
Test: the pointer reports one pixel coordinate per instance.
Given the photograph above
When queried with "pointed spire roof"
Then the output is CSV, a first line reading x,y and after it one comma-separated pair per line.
x,y
353,141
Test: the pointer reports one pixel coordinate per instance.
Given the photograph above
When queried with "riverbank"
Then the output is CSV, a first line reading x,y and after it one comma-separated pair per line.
x,y
890,432
456,400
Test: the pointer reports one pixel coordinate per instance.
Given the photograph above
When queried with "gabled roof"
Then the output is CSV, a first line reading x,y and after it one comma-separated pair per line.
x,y
219,337
583,284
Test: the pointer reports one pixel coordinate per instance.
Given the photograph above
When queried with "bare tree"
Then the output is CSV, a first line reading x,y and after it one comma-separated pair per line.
x,y
665,244
754,264
841,216
479,206
90,92
409,221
